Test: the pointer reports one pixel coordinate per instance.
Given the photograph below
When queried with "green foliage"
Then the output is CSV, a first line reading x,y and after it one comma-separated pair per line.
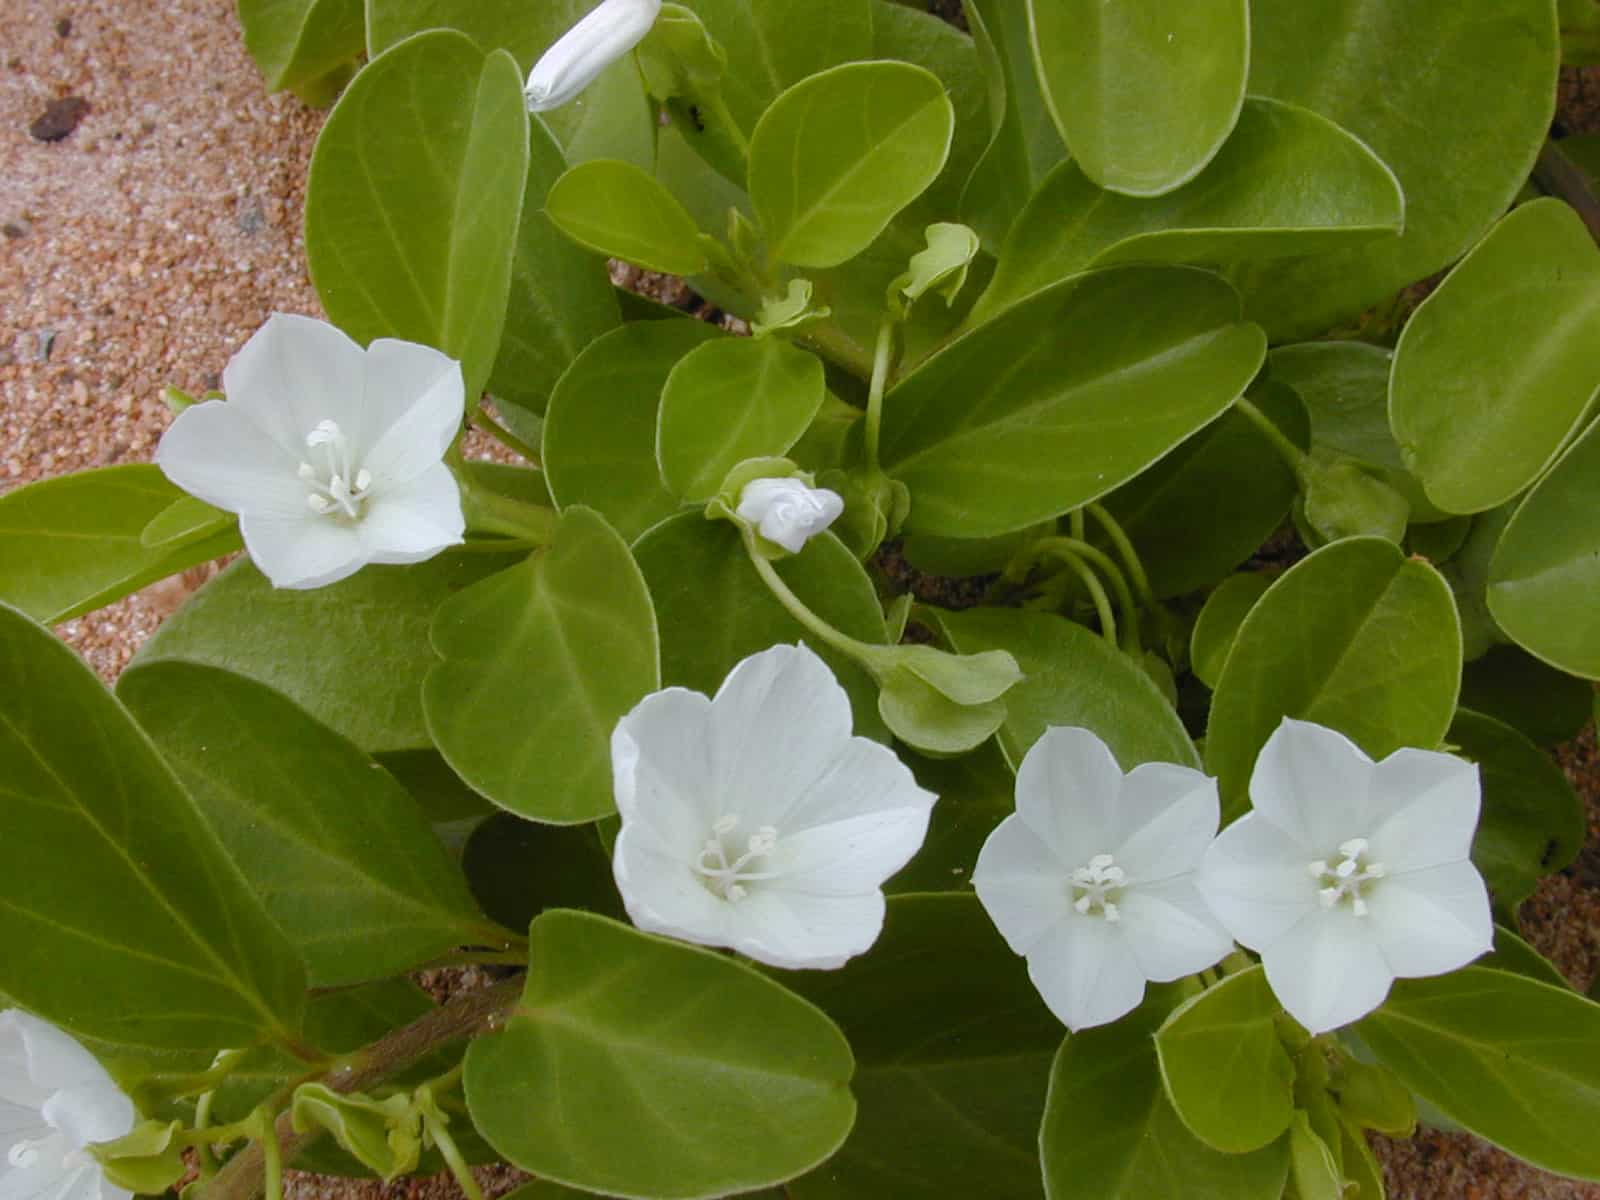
x,y
307,46
618,209
1218,624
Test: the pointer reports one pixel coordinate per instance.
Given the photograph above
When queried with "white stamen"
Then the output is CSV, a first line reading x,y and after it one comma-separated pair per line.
x,y
330,490
1349,879
1095,884
729,879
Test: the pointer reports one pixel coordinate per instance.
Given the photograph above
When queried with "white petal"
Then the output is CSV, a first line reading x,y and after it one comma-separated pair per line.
x,y
603,35
1256,878
91,1112
413,402
1431,921
1426,805
777,723
1313,783
1166,816
1328,970
1021,884
1086,972
1067,789
51,1181
798,931
661,768
661,892
849,857
414,520
214,451
17,1086
56,1059
295,372
863,777
302,552
1170,930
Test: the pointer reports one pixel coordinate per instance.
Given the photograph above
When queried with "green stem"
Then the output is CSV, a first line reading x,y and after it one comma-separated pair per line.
x,y
842,642
1075,524
882,357
1287,450
271,1156
481,419
452,1156
1097,592
202,1118
834,344
1067,548
1124,547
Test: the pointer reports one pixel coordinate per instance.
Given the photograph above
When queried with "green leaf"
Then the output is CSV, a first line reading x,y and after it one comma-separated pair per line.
x,y
645,1067
561,296
384,1135
618,209
557,649
1071,677
1512,954
923,717
1372,1096
184,521
729,400
518,869
1313,1170
1546,570
1110,1133
1485,76
1356,637
1144,95
1515,1061
1533,824
1363,1176
1224,1068
987,450
297,42
73,544
600,433
975,795
1288,182
414,199
1495,371
953,1049
714,610
352,654
840,153
339,853
1218,624
123,916
940,267
1344,499
1511,685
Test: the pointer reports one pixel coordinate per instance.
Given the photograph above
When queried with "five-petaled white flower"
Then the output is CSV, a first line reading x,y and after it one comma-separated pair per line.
x,y
330,454
788,512
604,35
55,1100
1092,878
756,821
1348,873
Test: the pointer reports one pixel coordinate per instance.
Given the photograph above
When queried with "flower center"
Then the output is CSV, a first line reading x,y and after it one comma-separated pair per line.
x,y
335,486
727,872
1096,887
1348,880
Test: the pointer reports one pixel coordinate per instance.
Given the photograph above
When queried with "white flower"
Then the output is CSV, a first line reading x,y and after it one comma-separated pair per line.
x,y
55,1100
1348,873
330,454
604,35
756,821
788,512
1092,878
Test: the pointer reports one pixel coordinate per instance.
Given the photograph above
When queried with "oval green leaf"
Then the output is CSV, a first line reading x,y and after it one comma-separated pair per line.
x,y
1515,1061
841,152
641,1067
618,209
415,197
297,43
1013,423
1496,370
1224,1068
1356,637
729,400
124,918
340,854
1218,624
555,650
1144,94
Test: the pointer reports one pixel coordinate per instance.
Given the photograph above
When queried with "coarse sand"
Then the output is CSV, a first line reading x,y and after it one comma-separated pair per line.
x,y
161,226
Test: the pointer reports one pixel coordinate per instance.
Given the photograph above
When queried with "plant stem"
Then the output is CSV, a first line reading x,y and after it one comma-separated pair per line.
x,y
1125,551
1097,592
843,642
480,417
271,1155
882,356
452,1156
1287,450
834,344
1557,175
1067,548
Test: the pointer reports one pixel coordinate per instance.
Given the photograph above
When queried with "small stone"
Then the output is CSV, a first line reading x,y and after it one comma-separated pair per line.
x,y
13,231
64,27
60,118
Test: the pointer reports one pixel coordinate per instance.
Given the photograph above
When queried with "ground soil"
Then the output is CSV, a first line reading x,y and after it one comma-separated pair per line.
x,y
150,199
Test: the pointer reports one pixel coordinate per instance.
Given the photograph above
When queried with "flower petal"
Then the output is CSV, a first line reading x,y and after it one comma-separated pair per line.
x,y
1067,788
1431,921
412,521
661,768
777,723
215,452
1256,878
56,1059
862,778
1313,783
1426,804
1166,816
1021,884
17,1086
1086,972
50,1180
1170,930
412,405
293,373
1328,970
302,552
848,857
661,892
91,1112
797,931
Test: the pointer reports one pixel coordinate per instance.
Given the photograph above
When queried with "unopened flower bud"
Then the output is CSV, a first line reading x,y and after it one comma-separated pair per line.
x,y
788,512
604,35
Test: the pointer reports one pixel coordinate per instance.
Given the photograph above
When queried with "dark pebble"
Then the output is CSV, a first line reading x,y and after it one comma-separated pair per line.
x,y
13,231
64,27
60,118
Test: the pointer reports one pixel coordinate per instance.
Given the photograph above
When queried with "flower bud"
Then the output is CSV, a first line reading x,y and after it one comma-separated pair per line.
x,y
788,512
604,35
